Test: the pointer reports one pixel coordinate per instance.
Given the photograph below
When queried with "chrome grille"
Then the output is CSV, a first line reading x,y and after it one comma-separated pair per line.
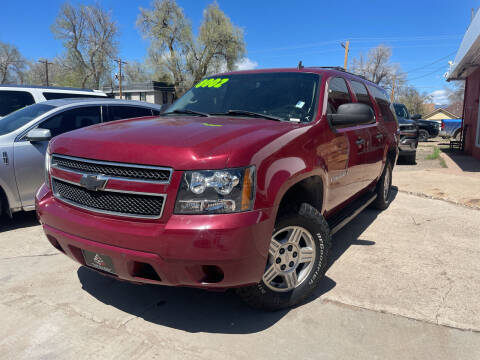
x,y
117,170
115,203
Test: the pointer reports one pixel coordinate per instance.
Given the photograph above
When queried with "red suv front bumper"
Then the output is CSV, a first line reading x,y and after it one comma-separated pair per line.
x,y
210,251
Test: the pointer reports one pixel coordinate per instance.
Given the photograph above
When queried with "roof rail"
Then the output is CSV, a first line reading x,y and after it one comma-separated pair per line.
x,y
339,68
46,87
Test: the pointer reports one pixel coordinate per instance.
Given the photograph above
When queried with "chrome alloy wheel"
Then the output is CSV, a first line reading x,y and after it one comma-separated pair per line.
x,y
290,258
387,184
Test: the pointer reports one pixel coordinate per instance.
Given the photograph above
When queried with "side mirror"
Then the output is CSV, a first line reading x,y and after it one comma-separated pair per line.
x,y
416,117
352,114
38,135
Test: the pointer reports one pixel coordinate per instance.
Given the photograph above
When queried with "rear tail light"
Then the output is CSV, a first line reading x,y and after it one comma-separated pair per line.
x,y
443,125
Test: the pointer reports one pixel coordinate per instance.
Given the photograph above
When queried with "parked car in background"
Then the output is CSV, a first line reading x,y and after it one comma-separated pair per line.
x,y
408,134
427,129
451,128
241,185
14,97
24,135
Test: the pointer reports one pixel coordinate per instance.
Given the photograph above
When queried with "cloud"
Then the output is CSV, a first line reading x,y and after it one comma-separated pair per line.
x,y
439,97
247,64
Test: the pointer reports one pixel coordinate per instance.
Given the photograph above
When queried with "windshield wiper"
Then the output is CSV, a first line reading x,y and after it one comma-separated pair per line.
x,y
186,111
250,114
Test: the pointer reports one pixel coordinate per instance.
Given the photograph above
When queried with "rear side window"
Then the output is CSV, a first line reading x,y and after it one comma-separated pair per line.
x,y
383,103
128,112
11,101
73,119
337,94
54,95
361,93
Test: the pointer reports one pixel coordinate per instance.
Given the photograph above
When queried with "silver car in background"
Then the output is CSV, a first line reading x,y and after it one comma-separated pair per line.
x,y
24,136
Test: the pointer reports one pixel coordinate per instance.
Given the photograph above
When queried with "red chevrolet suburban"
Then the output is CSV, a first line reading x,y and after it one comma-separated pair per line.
x,y
239,184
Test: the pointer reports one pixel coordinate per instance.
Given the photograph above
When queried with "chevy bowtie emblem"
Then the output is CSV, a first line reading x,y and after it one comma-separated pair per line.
x,y
93,182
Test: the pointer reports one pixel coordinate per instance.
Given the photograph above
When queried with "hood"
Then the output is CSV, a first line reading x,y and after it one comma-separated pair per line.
x,y
180,142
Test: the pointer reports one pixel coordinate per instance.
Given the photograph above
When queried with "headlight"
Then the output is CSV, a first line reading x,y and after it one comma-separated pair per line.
x,y
48,163
216,191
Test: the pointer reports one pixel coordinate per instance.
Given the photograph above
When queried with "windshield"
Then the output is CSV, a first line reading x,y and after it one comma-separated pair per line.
x,y
283,96
21,117
401,111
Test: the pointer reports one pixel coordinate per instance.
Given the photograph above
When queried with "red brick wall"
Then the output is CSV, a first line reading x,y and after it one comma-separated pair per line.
x,y
472,94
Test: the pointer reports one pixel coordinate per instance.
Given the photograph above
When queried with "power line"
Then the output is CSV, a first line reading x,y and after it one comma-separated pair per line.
x,y
430,73
434,62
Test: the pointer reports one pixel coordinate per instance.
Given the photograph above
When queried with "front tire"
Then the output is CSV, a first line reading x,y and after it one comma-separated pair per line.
x,y
297,261
423,135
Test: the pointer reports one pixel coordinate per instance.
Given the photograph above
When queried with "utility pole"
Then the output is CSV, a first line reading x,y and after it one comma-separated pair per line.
x,y
120,62
392,95
345,45
46,68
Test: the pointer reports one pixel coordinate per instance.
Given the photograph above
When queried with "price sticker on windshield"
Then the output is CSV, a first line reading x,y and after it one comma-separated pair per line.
x,y
212,83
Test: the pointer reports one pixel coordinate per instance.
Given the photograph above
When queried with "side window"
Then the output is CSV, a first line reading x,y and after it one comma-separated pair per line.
x,y
11,101
54,95
72,119
337,94
128,112
361,93
383,102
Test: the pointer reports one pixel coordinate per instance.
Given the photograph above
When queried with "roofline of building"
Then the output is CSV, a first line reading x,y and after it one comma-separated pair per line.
x,y
467,59
444,110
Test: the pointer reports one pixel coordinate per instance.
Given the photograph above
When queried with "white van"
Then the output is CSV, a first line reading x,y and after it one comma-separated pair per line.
x,y
14,97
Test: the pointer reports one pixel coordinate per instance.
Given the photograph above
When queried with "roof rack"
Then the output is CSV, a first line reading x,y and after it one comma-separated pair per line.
x,y
339,68
46,87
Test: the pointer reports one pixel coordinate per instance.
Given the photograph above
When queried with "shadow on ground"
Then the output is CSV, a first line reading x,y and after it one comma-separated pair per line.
x,y
196,310
465,162
19,220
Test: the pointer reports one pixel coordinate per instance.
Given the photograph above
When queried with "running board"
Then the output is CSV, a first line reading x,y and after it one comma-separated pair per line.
x,y
350,212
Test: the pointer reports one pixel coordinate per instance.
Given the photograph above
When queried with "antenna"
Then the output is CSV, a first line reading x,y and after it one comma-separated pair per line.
x,y
300,65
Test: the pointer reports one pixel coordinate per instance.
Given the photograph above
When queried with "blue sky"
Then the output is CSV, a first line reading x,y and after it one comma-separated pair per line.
x,y
282,32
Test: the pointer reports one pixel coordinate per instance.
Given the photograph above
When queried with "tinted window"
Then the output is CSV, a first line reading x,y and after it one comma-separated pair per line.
x,y
72,119
128,112
53,96
21,117
155,112
383,102
401,111
11,101
337,94
361,93
287,96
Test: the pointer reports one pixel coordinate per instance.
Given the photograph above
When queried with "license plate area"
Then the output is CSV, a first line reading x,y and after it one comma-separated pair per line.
x,y
99,261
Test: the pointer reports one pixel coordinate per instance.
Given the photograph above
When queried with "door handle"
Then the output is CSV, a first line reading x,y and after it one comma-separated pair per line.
x,y
360,141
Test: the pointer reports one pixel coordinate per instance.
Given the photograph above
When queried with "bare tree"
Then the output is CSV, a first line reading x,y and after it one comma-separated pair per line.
x,y
89,36
135,72
12,64
378,68
180,57
413,99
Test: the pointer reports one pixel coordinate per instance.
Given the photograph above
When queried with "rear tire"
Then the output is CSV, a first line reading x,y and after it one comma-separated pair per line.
x,y
300,246
384,189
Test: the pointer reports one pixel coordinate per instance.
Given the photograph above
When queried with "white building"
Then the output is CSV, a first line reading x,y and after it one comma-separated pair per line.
x,y
154,92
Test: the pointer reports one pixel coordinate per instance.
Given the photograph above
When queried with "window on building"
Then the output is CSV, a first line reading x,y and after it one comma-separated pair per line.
x,y
338,94
164,97
127,96
127,112
72,119
11,101
143,96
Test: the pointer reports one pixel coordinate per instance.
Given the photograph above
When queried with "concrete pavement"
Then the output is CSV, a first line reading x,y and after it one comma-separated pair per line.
x,y
403,284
